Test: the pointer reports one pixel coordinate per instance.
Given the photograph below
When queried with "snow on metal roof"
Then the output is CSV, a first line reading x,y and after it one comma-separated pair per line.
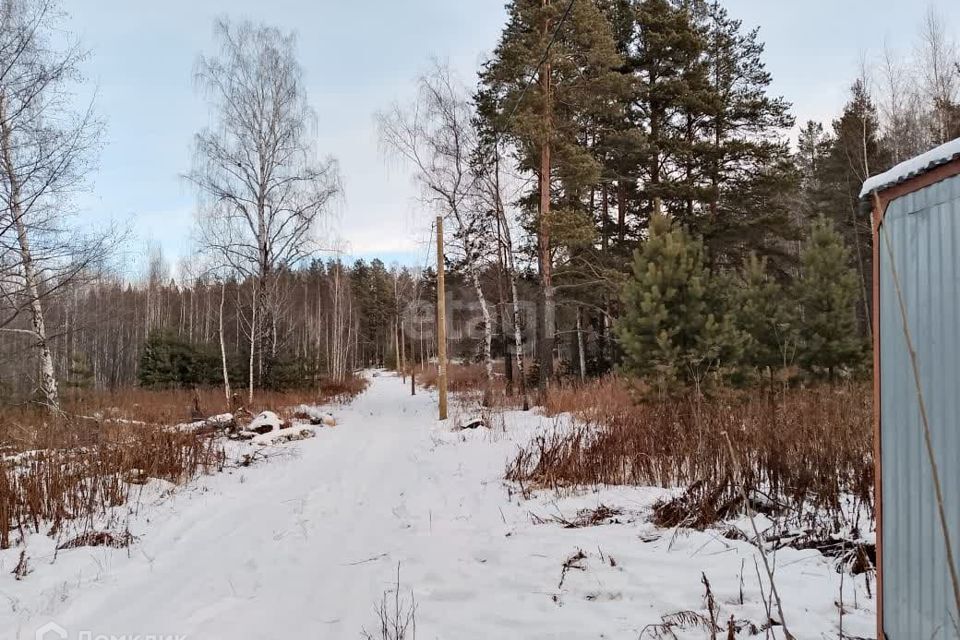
x,y
912,167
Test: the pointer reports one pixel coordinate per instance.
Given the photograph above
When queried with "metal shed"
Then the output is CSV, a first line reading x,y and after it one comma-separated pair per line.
x,y
916,331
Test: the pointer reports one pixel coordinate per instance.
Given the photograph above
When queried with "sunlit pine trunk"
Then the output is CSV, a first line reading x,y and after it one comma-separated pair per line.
x,y
547,296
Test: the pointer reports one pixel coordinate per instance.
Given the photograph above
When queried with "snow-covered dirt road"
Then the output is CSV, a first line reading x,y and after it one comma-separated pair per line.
x,y
304,544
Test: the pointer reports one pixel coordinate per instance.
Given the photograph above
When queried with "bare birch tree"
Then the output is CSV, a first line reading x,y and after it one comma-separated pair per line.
x,y
263,189
437,137
490,192
46,151
223,345
941,76
901,108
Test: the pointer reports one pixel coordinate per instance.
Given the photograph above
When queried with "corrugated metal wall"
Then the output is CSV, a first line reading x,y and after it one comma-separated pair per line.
x,y
924,233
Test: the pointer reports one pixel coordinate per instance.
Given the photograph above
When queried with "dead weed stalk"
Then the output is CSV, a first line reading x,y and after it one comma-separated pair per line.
x,y
397,616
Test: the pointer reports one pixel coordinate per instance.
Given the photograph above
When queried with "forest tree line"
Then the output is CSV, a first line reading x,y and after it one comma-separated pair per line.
x,y
623,163
331,319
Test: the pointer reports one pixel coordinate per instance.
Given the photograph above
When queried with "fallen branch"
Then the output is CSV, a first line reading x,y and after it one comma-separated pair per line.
x,y
573,562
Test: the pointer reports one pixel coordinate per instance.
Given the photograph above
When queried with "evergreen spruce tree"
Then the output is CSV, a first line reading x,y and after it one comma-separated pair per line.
x,y
167,361
80,373
154,362
765,318
372,289
812,147
361,287
813,151
674,327
827,296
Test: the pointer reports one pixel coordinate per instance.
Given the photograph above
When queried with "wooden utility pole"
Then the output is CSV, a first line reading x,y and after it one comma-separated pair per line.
x,y
441,325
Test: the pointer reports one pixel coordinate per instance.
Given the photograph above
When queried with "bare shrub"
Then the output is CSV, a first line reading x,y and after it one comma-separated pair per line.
x,y
709,623
22,570
679,620
573,561
396,614
585,517
99,539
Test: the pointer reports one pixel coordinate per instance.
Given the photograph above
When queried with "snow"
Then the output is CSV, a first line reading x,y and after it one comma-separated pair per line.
x,y
219,421
912,167
317,415
298,432
265,419
305,542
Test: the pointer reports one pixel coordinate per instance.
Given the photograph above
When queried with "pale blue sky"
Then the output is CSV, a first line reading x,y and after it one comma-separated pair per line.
x,y
361,55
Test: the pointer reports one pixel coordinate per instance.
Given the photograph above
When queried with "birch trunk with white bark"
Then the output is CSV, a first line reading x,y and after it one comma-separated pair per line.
x,y
253,344
487,333
223,346
506,239
48,379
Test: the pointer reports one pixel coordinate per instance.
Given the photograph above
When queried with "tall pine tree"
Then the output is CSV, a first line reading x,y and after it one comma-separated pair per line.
x,y
749,171
568,48
707,136
855,152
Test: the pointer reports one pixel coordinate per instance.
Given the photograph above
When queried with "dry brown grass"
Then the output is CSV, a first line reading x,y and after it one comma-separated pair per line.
x,y
460,377
82,463
164,407
468,380
43,488
341,390
803,450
